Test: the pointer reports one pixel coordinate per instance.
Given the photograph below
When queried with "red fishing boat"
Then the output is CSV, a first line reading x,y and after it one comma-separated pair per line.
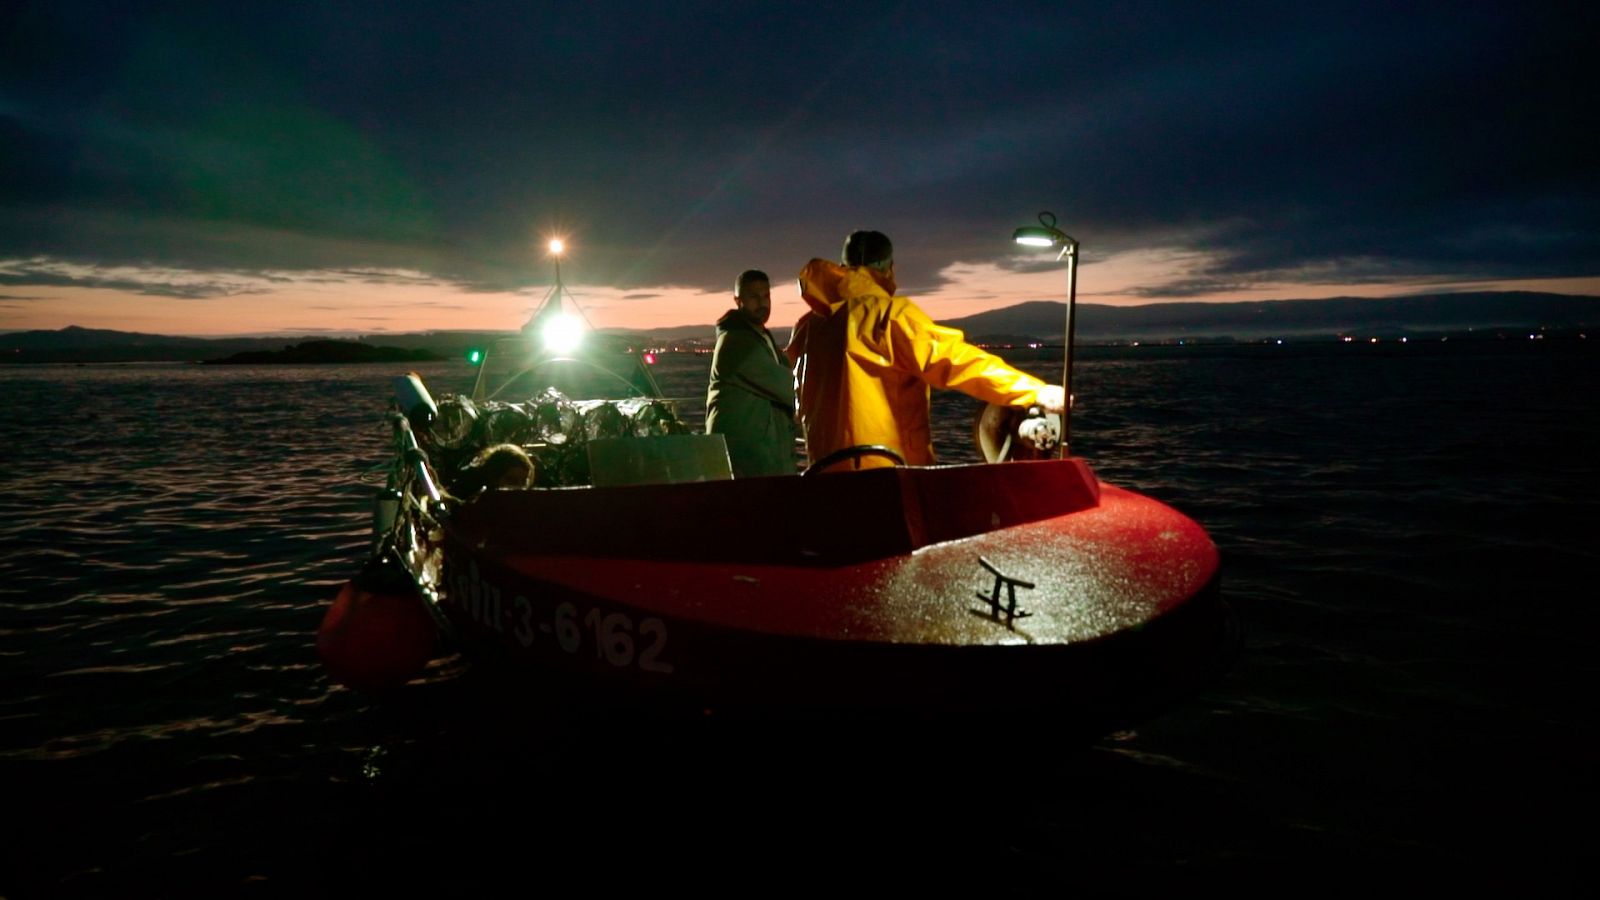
x,y
637,569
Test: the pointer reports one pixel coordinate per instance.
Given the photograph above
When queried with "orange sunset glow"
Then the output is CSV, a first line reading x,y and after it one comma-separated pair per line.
x,y
399,301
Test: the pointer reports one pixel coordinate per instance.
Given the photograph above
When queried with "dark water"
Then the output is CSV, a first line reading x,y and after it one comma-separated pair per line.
x,y
1409,534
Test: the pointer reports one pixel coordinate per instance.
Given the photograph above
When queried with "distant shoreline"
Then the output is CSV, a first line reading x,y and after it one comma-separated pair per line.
x,y
1564,341
1487,316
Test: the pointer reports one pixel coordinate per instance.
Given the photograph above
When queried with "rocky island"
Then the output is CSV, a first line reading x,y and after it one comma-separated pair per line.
x,y
328,352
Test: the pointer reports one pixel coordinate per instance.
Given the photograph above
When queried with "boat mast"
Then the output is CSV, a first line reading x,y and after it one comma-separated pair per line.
x,y
552,334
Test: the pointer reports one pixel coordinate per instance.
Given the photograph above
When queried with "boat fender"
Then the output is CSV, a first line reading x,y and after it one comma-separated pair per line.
x,y
378,633
414,401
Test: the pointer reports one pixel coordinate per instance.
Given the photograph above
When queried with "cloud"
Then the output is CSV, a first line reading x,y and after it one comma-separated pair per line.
x,y
404,144
163,282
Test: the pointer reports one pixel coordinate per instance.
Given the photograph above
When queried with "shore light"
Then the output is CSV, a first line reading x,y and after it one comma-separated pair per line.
x,y
1046,234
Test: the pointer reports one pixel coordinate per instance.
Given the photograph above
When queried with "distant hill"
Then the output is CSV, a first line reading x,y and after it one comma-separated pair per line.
x,y
87,345
75,344
1436,314
1466,314
1249,320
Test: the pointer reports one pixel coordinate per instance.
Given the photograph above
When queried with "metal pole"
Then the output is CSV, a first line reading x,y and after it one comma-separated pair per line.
x,y
1071,252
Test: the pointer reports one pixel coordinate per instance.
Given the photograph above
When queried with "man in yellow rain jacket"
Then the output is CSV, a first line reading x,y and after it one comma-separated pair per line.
x,y
865,361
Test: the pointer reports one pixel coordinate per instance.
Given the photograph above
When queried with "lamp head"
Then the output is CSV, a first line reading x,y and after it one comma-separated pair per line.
x,y
1034,236
557,246
1044,234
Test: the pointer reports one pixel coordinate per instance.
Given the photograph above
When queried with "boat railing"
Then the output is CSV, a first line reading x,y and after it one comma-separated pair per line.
x,y
412,458
408,512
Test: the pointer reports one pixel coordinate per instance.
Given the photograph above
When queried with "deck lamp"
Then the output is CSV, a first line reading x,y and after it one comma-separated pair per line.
x,y
1046,234
562,333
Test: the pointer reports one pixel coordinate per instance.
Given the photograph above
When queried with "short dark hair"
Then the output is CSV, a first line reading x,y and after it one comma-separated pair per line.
x,y
747,276
867,248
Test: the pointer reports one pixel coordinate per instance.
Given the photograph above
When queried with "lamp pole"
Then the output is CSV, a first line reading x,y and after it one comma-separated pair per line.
x,y
1070,251
1046,234
557,247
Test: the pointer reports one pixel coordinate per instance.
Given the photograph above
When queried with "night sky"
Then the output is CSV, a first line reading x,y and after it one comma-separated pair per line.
x,y
246,167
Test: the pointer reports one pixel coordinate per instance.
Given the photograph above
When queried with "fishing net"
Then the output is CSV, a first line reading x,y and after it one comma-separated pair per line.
x,y
551,428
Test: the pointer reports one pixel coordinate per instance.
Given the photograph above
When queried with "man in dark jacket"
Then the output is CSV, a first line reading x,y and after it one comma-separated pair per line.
x,y
751,398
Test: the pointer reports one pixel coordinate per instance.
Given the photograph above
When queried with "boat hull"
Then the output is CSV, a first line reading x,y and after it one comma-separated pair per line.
x,y
882,590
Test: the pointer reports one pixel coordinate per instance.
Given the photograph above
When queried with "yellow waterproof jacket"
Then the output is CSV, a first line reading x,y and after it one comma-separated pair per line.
x,y
865,360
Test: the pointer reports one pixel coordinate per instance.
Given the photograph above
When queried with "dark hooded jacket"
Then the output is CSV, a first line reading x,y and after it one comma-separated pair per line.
x,y
751,398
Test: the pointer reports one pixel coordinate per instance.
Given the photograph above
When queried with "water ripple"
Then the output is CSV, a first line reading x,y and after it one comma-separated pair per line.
x,y
1395,536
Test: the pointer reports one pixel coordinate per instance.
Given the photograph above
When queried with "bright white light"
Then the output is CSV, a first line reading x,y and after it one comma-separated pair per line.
x,y
1033,241
557,246
562,333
